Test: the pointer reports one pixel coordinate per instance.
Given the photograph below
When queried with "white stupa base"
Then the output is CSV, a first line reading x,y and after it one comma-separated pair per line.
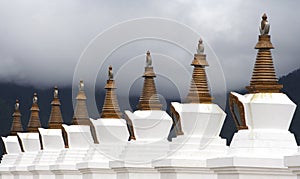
x,y
11,144
187,158
184,168
96,169
13,150
30,141
25,159
248,168
20,168
21,173
52,139
6,175
144,152
150,125
41,165
70,157
31,146
79,136
41,171
109,130
127,170
9,159
197,147
267,110
293,163
263,143
66,172
96,162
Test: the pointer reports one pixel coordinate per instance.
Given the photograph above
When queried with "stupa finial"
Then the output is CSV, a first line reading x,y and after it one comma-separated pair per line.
x,y
148,59
110,73
264,25
81,85
200,49
55,92
16,125
17,106
35,98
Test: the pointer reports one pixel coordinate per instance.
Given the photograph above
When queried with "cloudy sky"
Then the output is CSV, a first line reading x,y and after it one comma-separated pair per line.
x,y
41,42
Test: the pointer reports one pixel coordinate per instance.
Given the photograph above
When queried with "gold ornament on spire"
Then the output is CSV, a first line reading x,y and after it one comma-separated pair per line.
x,y
264,25
110,73
81,85
55,92
200,49
148,59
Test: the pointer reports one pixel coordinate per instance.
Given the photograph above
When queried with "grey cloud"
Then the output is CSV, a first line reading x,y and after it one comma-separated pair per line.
x,y
41,41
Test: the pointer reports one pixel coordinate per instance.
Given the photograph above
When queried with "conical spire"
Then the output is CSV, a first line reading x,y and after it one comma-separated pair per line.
x,y
55,120
264,78
80,113
199,92
110,108
149,99
16,125
34,121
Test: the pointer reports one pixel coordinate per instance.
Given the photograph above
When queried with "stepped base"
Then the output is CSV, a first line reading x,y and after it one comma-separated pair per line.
x,y
293,163
183,168
263,143
197,147
126,170
247,168
143,152
93,169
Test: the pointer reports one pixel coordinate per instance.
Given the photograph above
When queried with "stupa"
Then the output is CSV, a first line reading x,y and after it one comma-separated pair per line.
x,y
34,120
198,124
55,120
111,135
263,117
16,125
30,143
149,122
262,148
199,92
149,99
81,115
12,148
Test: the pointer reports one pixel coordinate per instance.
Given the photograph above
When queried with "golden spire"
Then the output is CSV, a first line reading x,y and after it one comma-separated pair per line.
x,y
264,78
34,121
149,99
199,92
110,107
80,113
16,125
55,121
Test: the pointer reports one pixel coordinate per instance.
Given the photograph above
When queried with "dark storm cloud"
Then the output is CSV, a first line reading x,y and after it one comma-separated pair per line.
x,y
41,41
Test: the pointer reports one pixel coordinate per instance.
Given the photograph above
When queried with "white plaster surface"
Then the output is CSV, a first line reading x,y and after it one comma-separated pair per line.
x,y
52,139
111,130
11,144
267,110
79,136
150,125
30,141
